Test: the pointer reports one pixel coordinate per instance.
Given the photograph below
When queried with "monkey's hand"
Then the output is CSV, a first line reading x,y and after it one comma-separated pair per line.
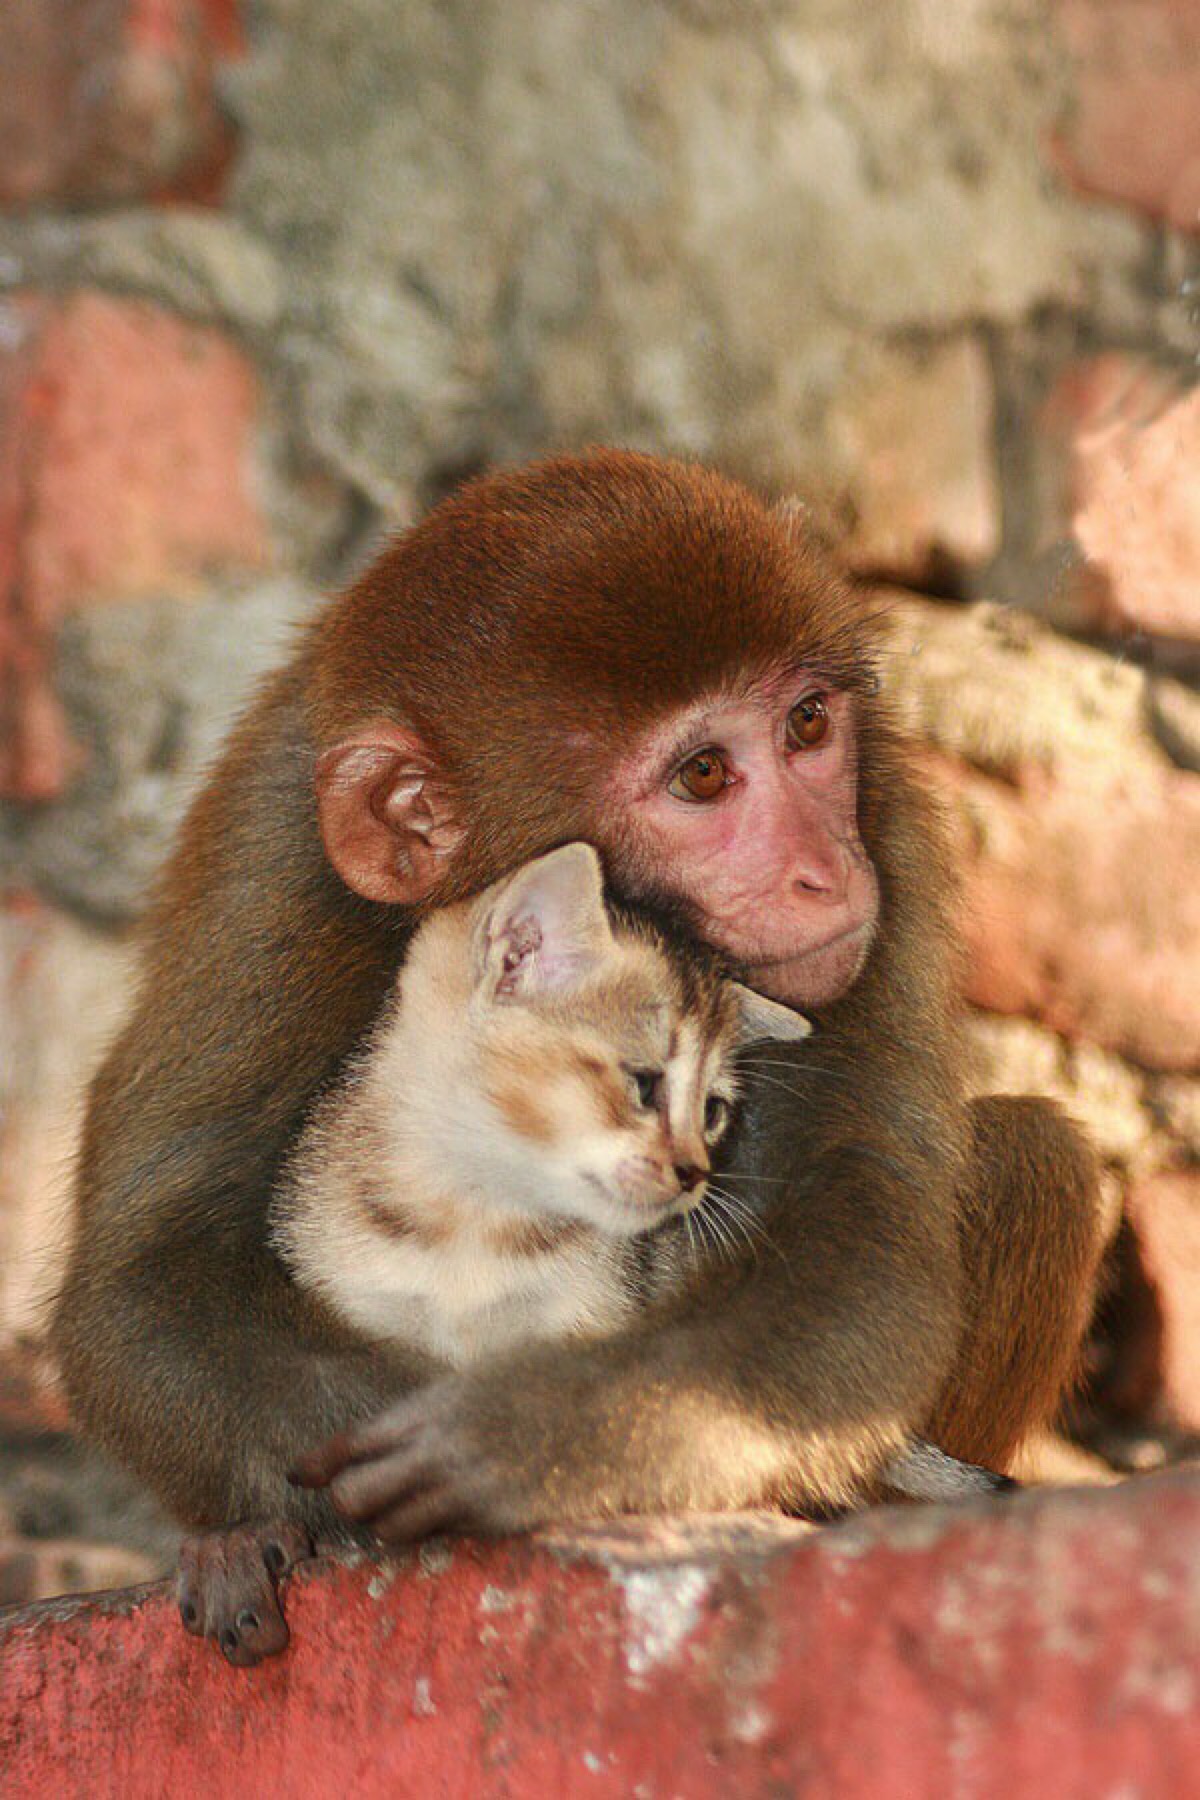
x,y
424,1466
551,1435
228,1586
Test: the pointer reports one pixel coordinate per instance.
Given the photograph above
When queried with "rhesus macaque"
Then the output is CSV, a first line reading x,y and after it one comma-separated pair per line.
x,y
640,654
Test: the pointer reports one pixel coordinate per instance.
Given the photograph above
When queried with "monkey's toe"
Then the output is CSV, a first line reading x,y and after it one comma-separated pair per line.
x,y
227,1587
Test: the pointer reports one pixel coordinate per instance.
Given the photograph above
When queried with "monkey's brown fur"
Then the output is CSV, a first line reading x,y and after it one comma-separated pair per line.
x,y
938,1259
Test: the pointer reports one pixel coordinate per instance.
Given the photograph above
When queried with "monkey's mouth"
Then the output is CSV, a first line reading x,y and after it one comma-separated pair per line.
x,y
818,975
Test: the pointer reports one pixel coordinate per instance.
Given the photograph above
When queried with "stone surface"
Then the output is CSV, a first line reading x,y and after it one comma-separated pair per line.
x,y
206,265
911,436
150,689
127,447
1080,837
674,226
994,687
107,99
1082,907
1176,1101
1119,454
1132,132
1165,1213
1046,1644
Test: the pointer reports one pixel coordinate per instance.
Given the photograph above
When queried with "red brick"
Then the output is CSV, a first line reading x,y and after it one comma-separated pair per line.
x,y
225,27
1045,1646
36,753
1119,460
126,468
1132,133
1164,1210
112,100
1082,905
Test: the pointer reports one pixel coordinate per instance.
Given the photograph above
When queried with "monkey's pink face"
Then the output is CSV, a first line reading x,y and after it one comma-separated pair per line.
x,y
747,809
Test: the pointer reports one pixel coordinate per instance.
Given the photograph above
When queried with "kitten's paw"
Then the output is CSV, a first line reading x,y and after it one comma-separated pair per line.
x,y
228,1586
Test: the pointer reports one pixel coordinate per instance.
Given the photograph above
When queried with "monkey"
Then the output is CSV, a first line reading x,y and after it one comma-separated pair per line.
x,y
641,654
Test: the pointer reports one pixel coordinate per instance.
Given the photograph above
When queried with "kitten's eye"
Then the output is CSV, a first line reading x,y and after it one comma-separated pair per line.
x,y
716,1116
808,723
701,778
646,1085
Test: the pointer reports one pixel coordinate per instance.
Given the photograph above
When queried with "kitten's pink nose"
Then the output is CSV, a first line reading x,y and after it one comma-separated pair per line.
x,y
689,1175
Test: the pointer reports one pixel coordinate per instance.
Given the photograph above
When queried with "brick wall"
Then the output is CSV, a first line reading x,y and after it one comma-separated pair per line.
x,y
274,277
1043,1647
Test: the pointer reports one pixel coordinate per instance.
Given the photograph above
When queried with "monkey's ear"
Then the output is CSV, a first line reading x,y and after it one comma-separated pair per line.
x,y
763,1018
386,819
543,929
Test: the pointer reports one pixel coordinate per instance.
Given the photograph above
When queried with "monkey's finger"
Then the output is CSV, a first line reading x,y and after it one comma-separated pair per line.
x,y
317,1467
366,1489
425,1515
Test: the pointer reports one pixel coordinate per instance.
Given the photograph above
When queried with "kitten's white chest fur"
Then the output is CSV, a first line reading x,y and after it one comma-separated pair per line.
x,y
459,1299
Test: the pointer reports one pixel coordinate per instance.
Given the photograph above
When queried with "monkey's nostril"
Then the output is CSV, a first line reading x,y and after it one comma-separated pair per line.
x,y
689,1175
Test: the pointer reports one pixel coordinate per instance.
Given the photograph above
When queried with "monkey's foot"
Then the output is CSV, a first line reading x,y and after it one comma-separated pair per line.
x,y
228,1586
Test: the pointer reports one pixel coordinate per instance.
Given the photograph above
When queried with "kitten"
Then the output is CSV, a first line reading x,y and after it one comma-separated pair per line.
x,y
508,1157
541,1096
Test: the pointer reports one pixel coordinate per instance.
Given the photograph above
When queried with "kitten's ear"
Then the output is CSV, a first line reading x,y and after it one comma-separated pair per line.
x,y
543,929
763,1018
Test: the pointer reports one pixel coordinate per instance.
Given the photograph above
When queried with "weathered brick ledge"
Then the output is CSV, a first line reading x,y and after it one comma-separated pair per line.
x,y
1047,1646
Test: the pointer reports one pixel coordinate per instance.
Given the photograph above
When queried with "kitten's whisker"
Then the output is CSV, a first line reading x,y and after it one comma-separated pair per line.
x,y
756,1063
691,1242
721,1237
748,1221
731,1216
787,1087
738,1230
700,1221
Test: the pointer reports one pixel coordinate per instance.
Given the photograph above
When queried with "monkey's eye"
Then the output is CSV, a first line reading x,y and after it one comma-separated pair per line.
x,y
716,1116
646,1085
701,778
808,723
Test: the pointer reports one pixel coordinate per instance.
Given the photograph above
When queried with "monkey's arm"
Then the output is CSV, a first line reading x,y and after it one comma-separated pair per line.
x,y
778,1390
204,1369
790,1382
